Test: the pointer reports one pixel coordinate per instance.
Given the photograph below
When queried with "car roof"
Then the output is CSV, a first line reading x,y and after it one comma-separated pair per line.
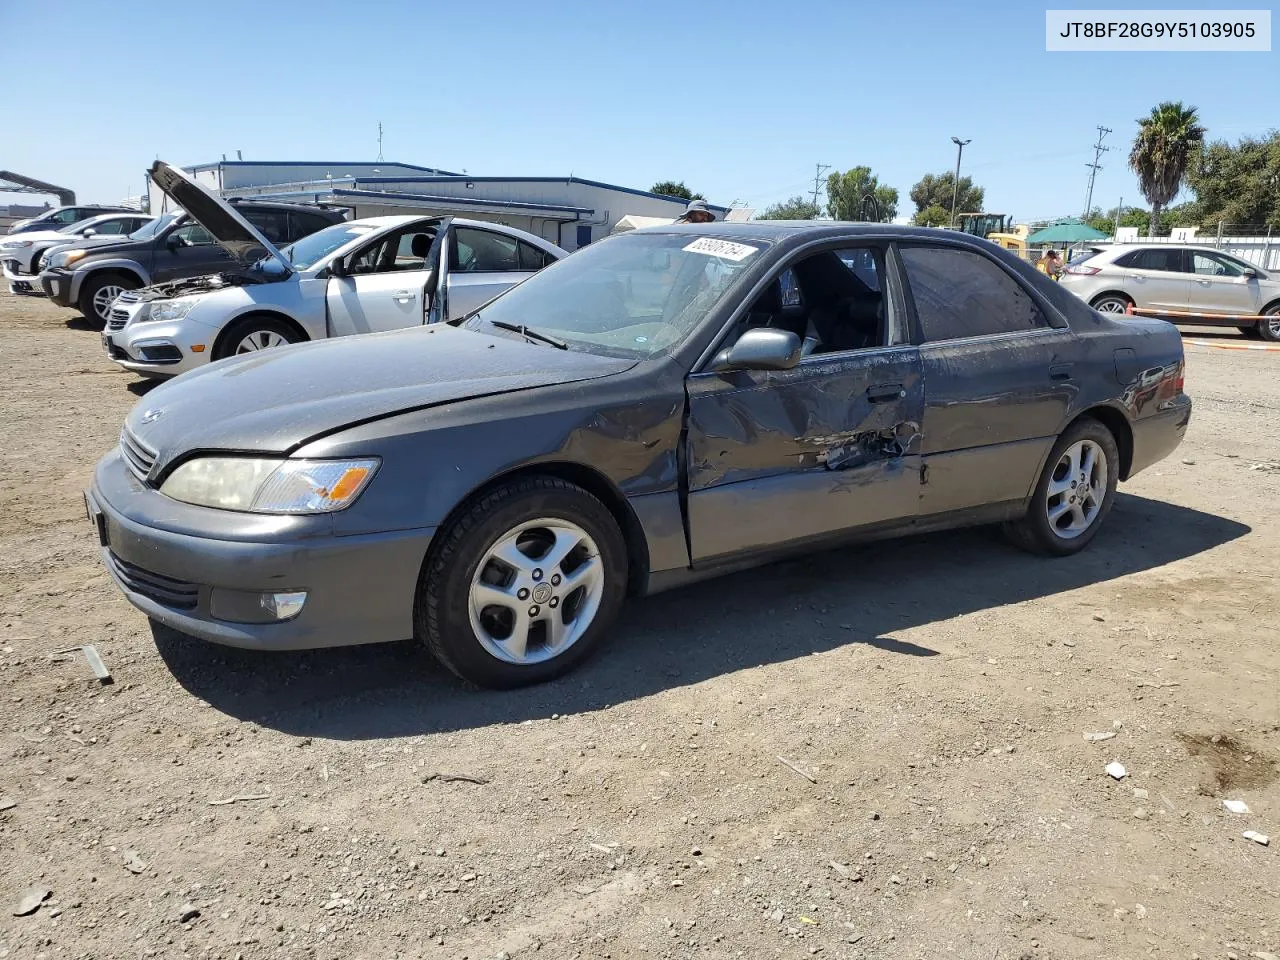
x,y
779,230
277,205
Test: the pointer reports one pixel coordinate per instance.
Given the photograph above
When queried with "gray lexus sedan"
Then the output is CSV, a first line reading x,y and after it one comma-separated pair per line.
x,y
664,405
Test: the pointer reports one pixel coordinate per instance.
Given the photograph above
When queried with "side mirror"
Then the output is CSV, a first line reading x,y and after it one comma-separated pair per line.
x,y
760,348
1249,273
174,242
90,233
337,268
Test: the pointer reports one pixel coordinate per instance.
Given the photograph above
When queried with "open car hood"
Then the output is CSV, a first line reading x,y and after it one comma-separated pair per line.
x,y
234,233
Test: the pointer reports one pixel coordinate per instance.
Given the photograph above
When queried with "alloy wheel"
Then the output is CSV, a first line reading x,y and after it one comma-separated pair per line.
x,y
260,340
1077,489
1111,305
103,299
536,591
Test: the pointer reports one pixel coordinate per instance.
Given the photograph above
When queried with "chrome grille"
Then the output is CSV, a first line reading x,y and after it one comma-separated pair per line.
x,y
117,318
137,455
166,590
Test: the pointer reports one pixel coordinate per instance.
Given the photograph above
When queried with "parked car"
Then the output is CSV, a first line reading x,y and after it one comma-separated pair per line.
x,y
360,276
64,217
173,247
20,255
1188,279
497,486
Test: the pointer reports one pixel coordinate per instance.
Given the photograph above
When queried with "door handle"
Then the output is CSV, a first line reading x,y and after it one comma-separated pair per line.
x,y
1059,371
404,295
1204,282
885,392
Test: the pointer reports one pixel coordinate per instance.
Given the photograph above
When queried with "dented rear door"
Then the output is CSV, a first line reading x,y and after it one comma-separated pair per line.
x,y
776,457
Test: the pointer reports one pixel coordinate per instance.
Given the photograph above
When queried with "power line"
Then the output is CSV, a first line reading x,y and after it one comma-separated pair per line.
x,y
1098,151
819,170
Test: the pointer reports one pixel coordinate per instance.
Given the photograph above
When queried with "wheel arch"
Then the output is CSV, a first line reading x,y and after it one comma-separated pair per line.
x,y
1274,304
1118,424
1111,293
118,267
225,333
596,484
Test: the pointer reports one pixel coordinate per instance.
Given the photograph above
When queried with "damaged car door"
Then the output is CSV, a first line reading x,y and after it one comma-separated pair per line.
x,y
780,456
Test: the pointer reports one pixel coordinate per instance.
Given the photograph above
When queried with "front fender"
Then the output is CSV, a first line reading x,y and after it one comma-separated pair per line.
x,y
119,265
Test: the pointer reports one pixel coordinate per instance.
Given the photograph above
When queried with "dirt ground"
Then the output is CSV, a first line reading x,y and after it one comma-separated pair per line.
x,y
878,752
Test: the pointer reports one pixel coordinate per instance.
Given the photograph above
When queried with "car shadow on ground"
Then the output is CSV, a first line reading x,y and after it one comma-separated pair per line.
x,y
861,594
140,388
78,322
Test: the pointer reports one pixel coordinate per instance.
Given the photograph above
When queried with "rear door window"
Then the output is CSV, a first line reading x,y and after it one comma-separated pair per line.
x,y
483,251
304,224
273,224
1168,260
531,258
960,293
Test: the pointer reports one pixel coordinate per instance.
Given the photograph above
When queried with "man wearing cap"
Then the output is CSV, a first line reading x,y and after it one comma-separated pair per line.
x,y
696,212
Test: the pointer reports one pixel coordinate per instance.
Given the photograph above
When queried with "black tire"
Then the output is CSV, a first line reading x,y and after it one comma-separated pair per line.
x,y
442,617
258,327
93,295
1034,532
1109,299
1269,329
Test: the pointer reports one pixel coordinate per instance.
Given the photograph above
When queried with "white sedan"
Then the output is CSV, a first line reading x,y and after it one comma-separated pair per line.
x,y
362,276
20,254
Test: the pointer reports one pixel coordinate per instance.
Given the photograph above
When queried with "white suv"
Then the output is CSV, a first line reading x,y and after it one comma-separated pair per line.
x,y
1218,288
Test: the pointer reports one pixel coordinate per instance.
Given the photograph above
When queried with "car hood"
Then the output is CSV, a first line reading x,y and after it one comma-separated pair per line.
x,y
37,235
236,235
277,400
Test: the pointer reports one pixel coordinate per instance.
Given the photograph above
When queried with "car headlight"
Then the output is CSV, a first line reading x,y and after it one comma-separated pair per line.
x,y
172,309
16,244
259,485
68,258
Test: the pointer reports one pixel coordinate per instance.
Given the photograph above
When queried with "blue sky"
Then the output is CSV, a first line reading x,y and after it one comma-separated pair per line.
x,y
738,99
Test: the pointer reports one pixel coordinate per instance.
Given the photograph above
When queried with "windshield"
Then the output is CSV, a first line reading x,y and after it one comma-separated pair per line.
x,y
310,250
151,228
634,295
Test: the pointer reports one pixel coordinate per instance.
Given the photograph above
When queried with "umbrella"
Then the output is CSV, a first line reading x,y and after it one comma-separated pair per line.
x,y
1070,230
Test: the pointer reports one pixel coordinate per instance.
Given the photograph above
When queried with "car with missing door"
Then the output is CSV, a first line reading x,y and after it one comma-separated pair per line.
x,y
664,405
1218,288
359,276
89,277
20,256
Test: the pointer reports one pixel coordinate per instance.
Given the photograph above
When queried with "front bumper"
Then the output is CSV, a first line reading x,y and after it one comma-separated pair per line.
x,y
58,287
360,589
161,349
19,280
1157,435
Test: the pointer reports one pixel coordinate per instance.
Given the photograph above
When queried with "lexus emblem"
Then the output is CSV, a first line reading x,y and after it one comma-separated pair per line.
x,y
151,416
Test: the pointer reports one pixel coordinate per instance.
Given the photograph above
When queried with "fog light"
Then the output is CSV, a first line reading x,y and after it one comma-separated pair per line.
x,y
283,606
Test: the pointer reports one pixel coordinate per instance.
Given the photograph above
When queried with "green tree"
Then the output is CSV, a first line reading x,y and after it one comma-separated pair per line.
x,y
1168,144
1240,184
675,188
847,195
932,216
935,190
1183,215
797,208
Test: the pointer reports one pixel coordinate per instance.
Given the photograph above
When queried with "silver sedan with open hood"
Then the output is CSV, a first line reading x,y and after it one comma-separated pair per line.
x,y
362,276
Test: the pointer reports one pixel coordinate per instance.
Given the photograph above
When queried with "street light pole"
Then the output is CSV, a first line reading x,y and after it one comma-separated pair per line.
x,y
955,187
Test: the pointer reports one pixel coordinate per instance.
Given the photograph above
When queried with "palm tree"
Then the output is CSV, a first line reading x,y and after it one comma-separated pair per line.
x,y
1167,142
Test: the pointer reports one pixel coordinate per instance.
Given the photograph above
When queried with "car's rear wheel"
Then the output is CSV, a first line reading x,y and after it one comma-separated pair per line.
x,y
98,292
1111,303
1074,493
523,585
253,334
1269,328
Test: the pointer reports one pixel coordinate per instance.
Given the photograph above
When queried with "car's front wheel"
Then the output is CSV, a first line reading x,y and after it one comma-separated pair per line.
x,y
1111,303
1074,493
98,292
253,334
523,585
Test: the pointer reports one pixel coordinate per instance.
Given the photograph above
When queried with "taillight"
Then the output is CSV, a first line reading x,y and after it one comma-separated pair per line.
x,y
1082,270
1180,380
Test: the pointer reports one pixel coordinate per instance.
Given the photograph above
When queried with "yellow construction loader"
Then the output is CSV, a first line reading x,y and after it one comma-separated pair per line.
x,y
999,228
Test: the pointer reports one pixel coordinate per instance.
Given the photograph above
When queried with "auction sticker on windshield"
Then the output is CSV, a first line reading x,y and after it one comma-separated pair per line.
x,y
725,249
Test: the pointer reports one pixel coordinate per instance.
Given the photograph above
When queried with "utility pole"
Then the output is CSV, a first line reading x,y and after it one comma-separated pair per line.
x,y
1119,210
1098,151
955,186
819,170
379,141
